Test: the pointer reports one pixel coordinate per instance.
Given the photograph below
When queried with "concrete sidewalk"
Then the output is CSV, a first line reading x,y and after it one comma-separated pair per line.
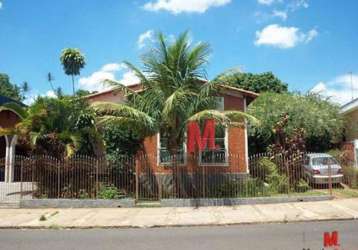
x,y
340,209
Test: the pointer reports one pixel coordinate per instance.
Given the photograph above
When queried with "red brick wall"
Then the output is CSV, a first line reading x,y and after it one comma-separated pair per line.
x,y
107,97
236,146
8,119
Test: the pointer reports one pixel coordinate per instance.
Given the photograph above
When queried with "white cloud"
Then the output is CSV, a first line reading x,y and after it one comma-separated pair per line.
x,y
310,35
180,6
144,37
31,97
281,14
298,4
129,78
266,2
339,89
0,4
95,82
51,94
110,67
283,37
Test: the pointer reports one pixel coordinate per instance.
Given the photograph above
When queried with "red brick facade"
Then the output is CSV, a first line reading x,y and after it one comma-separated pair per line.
x,y
8,119
234,99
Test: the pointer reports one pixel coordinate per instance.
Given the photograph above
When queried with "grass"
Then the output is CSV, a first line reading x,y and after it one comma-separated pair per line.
x,y
312,192
342,192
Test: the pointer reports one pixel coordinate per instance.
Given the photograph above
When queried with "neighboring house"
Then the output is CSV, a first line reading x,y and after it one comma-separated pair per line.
x,y
350,114
8,119
231,154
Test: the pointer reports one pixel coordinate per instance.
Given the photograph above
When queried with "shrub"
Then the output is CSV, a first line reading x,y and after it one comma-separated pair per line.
x,y
278,183
342,156
302,186
350,176
250,187
265,167
109,193
83,194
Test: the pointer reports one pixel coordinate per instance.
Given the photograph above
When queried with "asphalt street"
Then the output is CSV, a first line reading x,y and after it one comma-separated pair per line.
x,y
260,236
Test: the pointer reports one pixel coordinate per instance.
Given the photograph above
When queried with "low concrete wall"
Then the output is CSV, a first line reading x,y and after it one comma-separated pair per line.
x,y
239,201
12,191
69,203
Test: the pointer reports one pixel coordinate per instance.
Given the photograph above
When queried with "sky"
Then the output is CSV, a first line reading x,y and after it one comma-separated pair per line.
x,y
309,44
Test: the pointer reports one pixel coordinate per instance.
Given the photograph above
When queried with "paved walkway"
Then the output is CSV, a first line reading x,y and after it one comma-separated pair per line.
x,y
341,209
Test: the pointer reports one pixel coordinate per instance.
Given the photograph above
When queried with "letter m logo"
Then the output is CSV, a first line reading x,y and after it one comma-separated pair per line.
x,y
330,239
206,139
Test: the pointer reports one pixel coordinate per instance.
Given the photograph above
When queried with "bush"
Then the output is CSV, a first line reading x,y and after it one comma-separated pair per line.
x,y
350,176
265,167
250,187
109,193
319,118
342,156
278,183
302,186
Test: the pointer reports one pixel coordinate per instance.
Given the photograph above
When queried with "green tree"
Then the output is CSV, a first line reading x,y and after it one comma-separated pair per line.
x,y
82,92
72,61
9,89
57,127
264,82
320,120
174,93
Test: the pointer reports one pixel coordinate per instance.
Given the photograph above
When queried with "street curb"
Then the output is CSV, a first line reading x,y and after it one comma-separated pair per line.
x,y
57,227
206,202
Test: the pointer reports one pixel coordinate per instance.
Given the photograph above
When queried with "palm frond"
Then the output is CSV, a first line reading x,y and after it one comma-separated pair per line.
x,y
7,131
226,118
239,117
128,92
34,136
109,112
178,102
211,114
143,79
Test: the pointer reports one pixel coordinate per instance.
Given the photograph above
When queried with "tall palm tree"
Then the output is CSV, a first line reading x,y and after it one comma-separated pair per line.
x,y
72,61
174,92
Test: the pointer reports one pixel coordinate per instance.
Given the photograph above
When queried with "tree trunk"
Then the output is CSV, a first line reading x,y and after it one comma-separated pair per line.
x,y
73,84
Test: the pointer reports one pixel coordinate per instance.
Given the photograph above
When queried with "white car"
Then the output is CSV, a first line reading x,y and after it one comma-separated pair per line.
x,y
316,168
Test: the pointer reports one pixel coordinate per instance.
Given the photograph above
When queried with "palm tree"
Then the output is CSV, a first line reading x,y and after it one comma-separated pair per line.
x,y
174,93
55,127
72,61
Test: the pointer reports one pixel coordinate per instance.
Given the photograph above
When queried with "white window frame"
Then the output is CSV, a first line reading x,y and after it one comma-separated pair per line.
x,y
169,164
226,144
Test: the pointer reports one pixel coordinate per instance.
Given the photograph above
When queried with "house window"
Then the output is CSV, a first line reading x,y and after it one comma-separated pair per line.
x,y
220,103
165,156
219,156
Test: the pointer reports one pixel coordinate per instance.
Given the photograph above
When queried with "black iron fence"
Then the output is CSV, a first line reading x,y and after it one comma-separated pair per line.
x,y
143,177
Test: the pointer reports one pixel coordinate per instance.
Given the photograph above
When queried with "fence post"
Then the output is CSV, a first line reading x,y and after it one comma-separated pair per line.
x,y
21,174
32,160
160,187
203,177
136,179
330,179
58,179
97,173
286,161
